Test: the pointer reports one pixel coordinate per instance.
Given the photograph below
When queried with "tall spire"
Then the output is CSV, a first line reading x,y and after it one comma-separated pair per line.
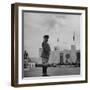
x,y
57,39
74,37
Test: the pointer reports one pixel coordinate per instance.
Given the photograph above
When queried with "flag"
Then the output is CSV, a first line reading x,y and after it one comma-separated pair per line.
x,y
57,39
74,36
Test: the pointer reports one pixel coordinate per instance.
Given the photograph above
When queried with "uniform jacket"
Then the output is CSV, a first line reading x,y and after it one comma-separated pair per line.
x,y
45,50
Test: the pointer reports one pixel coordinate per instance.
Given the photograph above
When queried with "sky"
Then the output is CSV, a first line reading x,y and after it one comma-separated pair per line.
x,y
57,26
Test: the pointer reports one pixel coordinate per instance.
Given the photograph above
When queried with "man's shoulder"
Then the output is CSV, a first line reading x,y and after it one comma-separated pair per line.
x,y
44,43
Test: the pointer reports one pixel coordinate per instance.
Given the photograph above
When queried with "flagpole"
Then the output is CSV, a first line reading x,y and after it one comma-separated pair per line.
x,y
74,38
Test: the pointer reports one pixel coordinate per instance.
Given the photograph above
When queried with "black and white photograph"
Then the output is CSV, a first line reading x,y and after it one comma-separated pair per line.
x,y
49,44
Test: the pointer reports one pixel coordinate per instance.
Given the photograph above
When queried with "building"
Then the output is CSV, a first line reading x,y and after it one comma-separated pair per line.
x,y
64,56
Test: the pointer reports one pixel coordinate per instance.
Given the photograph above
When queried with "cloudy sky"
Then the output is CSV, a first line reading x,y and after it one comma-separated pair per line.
x,y
57,26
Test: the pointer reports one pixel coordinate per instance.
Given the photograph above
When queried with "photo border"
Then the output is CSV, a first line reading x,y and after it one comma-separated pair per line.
x,y
15,40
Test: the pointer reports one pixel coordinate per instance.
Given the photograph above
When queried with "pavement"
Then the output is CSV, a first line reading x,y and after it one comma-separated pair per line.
x,y
52,71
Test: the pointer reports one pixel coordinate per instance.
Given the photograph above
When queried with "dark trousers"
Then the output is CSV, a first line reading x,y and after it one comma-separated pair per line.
x,y
44,68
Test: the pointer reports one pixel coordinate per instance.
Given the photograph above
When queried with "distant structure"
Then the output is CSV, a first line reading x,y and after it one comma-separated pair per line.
x,y
64,56
73,53
73,50
65,60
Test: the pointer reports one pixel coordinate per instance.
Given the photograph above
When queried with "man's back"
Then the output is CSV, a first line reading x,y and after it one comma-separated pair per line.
x,y
46,50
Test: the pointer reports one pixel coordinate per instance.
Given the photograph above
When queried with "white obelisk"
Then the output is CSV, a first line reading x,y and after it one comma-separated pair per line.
x,y
73,50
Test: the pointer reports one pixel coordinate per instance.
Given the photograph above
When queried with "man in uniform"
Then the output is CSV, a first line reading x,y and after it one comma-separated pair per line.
x,y
45,54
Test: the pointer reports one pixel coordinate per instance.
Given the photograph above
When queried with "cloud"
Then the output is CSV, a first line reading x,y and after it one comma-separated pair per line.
x,y
59,26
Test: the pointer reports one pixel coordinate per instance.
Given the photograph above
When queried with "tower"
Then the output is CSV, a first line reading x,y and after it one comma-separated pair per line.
x,y
73,50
